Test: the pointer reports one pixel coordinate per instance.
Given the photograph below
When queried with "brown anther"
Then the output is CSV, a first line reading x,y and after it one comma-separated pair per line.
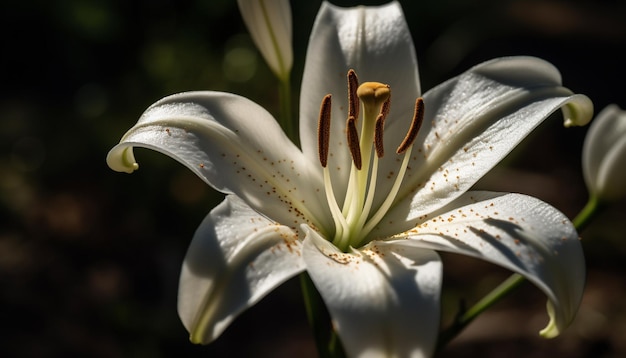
x,y
353,99
378,135
323,130
353,142
380,126
416,123
386,107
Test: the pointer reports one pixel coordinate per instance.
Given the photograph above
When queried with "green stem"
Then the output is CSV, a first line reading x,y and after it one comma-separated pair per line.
x,y
463,319
334,346
313,308
285,116
326,340
591,210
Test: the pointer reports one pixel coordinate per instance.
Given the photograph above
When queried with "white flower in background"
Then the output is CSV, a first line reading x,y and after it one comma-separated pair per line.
x,y
364,212
269,24
604,155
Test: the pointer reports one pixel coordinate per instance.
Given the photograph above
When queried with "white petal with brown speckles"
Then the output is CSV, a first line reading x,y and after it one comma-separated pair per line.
x,y
235,258
518,232
235,146
383,299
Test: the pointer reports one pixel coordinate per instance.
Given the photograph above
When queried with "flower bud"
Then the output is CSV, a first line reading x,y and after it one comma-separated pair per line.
x,y
604,155
269,24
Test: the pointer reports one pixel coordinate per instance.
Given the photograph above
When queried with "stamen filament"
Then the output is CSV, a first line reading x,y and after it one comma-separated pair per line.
x,y
341,226
349,194
370,196
386,205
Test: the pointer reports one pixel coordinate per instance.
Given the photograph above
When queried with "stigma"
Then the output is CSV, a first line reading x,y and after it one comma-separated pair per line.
x,y
368,106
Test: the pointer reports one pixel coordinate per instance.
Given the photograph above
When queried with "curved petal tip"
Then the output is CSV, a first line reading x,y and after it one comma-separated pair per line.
x,y
578,112
122,159
552,329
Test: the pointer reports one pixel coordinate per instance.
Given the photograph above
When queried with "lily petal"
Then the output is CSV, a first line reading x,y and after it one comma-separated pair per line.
x,y
235,146
383,299
375,42
474,120
269,24
235,258
604,154
518,232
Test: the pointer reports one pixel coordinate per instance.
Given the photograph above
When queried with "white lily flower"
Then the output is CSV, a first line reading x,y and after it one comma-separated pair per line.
x,y
366,236
604,155
269,24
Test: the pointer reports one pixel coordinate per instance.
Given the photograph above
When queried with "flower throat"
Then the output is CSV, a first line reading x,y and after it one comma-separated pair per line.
x,y
356,217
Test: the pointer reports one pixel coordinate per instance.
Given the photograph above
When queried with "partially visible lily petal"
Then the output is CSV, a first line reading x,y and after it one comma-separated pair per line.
x,y
269,24
518,232
235,146
235,258
473,121
383,299
604,155
375,41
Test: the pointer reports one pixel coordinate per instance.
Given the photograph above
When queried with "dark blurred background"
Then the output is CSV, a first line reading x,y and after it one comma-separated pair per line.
x,y
89,258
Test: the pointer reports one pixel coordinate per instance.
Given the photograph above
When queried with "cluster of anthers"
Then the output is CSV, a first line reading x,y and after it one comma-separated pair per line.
x,y
356,218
